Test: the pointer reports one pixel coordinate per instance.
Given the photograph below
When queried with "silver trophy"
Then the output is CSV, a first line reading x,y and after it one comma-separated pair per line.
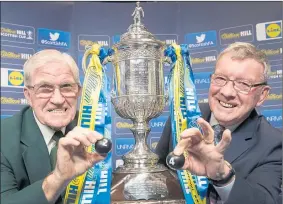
x,y
139,95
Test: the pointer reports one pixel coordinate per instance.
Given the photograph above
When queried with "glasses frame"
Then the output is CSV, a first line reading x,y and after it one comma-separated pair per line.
x,y
233,81
37,86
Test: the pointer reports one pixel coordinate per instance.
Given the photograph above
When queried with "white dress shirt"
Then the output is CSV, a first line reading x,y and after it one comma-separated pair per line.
x,y
223,191
47,133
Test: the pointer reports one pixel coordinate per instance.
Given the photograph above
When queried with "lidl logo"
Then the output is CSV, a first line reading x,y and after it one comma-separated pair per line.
x,y
16,78
12,78
201,40
273,30
54,38
269,30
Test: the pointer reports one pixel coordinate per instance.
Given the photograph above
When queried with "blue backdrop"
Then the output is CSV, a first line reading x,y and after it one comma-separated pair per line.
x,y
207,27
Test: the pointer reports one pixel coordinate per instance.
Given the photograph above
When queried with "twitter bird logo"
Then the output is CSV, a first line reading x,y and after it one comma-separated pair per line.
x,y
54,36
200,38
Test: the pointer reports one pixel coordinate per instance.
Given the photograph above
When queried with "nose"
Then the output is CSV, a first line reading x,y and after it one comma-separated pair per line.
x,y
57,97
228,90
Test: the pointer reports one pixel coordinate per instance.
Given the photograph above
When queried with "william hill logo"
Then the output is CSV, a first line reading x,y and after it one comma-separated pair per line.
x,y
274,97
236,35
86,43
271,52
16,78
273,30
201,60
123,125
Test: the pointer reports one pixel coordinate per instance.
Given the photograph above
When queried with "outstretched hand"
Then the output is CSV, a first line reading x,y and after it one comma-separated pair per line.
x,y
204,158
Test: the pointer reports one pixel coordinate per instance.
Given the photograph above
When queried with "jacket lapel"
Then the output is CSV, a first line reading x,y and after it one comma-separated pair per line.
x,y
242,138
35,154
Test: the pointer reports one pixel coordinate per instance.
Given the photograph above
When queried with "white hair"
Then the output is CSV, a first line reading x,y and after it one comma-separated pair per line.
x,y
43,57
242,50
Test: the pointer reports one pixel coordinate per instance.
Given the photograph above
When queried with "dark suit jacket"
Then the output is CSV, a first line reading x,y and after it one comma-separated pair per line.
x,y
255,153
25,159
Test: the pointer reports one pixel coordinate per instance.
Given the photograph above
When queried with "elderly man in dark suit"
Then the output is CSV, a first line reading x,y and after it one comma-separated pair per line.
x,y
28,173
244,165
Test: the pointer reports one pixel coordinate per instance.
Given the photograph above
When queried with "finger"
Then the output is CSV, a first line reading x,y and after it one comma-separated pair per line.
x,y
225,141
94,136
193,133
91,135
182,146
94,158
68,141
83,139
208,133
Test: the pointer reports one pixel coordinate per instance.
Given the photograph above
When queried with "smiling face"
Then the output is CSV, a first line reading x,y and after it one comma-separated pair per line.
x,y
57,111
229,106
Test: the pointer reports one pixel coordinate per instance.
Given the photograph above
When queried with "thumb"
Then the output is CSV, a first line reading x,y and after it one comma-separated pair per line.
x,y
182,145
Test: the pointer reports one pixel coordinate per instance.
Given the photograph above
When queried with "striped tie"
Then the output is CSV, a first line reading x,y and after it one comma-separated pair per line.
x,y
218,131
53,154
213,195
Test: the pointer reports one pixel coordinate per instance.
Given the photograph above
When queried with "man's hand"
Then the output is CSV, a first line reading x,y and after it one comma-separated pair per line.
x,y
72,160
204,159
72,157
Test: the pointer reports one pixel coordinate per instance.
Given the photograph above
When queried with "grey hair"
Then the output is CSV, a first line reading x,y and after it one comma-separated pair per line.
x,y
242,50
43,57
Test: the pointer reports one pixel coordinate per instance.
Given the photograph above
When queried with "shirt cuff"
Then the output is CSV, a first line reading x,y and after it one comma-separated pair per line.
x,y
224,191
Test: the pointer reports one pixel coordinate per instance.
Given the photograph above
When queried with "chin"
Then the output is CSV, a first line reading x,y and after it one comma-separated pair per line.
x,y
58,123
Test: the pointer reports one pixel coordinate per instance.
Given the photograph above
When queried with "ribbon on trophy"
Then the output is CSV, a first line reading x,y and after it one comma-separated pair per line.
x,y
95,184
184,111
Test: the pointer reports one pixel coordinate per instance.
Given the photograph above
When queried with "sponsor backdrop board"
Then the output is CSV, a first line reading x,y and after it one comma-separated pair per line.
x,y
207,28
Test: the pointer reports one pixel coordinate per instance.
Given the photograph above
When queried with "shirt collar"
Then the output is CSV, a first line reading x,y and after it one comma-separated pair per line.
x,y
46,131
214,122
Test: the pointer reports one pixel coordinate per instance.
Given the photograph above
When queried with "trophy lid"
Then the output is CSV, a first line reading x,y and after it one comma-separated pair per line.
x,y
137,32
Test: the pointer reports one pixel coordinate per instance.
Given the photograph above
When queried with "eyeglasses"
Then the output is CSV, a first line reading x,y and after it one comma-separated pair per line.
x,y
46,90
241,85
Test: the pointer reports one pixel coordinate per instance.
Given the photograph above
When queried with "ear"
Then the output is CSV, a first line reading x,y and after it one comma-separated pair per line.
x,y
28,95
80,91
263,95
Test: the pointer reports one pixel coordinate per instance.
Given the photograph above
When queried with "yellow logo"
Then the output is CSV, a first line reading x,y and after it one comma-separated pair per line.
x,y
16,78
123,125
273,30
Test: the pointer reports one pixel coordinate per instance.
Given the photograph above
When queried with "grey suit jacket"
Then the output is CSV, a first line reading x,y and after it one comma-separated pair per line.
x,y
25,159
255,153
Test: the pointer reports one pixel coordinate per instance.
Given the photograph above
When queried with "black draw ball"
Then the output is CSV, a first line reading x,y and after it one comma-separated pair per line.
x,y
103,146
175,162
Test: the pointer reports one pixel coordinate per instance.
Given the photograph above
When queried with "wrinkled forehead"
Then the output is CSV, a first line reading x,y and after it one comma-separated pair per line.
x,y
241,67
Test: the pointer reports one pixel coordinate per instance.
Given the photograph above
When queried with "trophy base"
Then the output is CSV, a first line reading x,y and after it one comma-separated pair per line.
x,y
148,187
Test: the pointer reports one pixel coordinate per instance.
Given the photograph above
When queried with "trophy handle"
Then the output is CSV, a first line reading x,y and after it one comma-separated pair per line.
x,y
86,54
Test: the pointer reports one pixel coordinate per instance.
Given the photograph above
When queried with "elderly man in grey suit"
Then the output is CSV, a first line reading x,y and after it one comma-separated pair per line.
x,y
243,165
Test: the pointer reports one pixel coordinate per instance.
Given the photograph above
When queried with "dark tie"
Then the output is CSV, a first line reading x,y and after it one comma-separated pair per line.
x,y
53,154
53,157
218,131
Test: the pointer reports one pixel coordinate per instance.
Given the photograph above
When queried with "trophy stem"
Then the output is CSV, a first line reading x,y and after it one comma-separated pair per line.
x,y
140,157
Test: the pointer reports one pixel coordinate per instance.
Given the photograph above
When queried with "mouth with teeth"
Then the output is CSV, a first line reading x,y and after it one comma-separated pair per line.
x,y
226,105
62,110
